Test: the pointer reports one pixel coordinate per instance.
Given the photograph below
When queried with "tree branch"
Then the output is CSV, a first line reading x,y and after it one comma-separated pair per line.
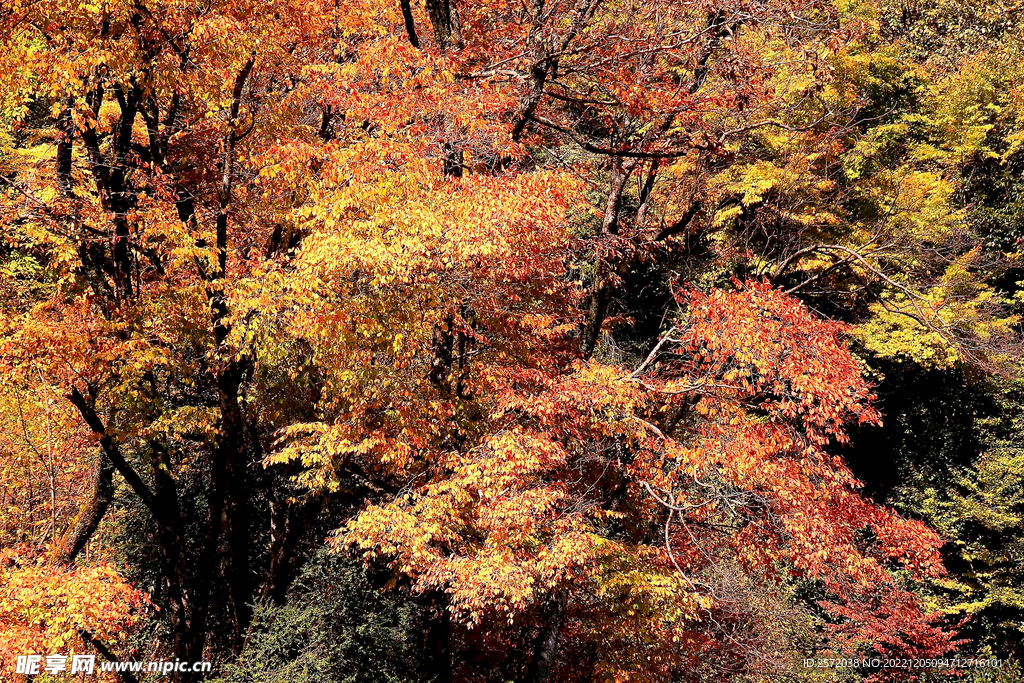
x,y
112,451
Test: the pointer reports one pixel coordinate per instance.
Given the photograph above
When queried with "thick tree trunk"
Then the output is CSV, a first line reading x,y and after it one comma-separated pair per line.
x,y
437,655
546,646
171,542
192,646
440,13
237,513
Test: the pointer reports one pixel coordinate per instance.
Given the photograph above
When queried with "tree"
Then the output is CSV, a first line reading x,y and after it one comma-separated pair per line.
x,y
618,497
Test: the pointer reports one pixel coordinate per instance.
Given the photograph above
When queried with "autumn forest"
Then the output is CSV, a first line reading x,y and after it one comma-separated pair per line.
x,y
512,341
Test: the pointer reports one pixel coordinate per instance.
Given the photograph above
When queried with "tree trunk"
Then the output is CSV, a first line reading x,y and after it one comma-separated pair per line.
x,y
91,514
410,25
437,655
289,523
546,646
440,13
602,287
66,130
237,513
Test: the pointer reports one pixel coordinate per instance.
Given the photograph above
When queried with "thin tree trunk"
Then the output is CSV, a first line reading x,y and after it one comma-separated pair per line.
x,y
410,24
66,132
91,514
289,523
602,288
